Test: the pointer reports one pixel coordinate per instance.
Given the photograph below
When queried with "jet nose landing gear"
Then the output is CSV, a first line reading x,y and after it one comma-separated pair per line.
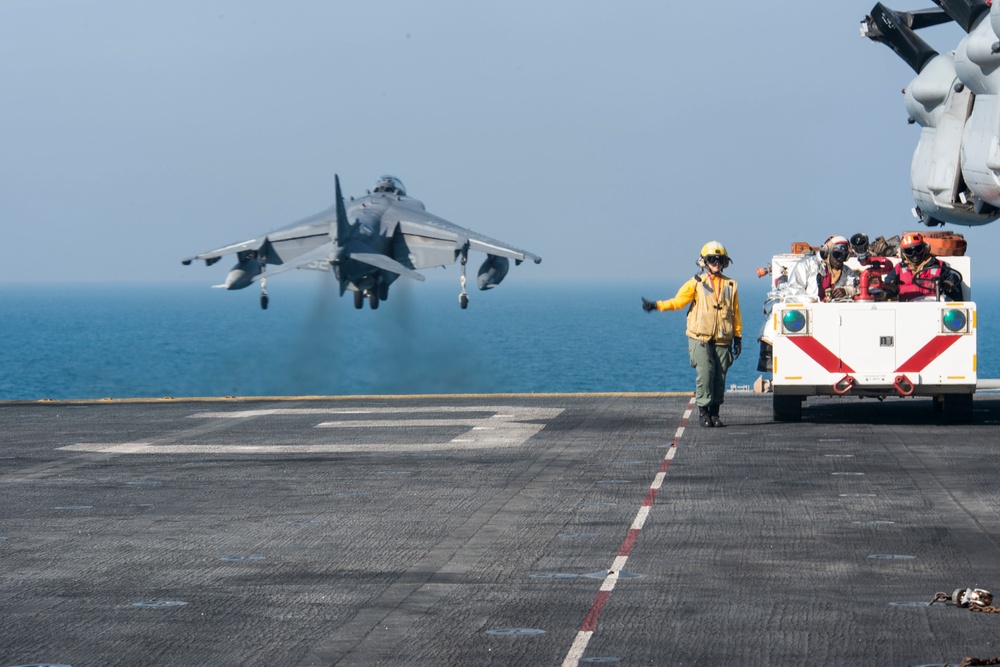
x,y
263,294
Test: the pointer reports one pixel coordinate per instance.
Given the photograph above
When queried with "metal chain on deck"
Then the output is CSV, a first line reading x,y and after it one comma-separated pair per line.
x,y
973,599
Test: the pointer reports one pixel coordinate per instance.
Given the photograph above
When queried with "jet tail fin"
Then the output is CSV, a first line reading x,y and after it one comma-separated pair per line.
x,y
343,226
897,30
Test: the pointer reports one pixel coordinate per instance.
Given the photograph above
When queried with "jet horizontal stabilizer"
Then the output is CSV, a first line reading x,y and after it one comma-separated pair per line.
x,y
324,252
385,263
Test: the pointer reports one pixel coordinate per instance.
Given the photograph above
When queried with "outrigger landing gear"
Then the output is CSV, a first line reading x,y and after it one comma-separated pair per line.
x,y
463,296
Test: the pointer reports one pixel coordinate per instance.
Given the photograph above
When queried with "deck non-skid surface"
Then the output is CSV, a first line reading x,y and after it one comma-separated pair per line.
x,y
507,530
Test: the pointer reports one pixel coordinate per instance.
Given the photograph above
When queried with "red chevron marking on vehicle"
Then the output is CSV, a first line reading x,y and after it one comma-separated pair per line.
x,y
820,354
934,348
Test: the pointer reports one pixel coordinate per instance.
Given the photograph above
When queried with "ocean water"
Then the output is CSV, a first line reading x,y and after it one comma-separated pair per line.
x,y
185,340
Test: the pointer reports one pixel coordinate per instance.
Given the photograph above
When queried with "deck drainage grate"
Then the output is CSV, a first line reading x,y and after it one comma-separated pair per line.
x,y
597,504
515,631
891,557
75,507
242,559
573,535
304,522
600,659
159,604
857,495
911,603
354,494
144,483
614,481
873,522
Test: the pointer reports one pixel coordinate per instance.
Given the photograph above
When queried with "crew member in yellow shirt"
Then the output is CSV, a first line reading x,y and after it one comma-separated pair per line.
x,y
714,328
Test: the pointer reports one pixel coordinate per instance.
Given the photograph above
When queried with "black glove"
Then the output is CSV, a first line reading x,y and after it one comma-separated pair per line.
x,y
648,305
737,347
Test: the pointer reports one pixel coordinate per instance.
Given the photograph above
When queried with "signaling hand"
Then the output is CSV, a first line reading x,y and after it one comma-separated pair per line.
x,y
648,305
737,347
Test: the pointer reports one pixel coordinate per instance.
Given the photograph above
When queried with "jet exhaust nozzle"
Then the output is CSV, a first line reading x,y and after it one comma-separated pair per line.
x,y
493,271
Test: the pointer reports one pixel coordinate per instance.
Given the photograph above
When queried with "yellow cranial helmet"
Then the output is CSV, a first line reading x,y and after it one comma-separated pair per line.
x,y
715,249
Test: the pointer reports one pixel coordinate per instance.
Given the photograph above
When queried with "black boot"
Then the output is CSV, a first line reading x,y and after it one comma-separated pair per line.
x,y
713,413
704,417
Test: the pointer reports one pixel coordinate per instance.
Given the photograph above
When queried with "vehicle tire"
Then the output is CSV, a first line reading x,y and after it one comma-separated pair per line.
x,y
787,408
373,301
359,300
958,408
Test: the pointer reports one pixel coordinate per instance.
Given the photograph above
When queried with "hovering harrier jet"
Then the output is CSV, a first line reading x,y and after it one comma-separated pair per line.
x,y
368,243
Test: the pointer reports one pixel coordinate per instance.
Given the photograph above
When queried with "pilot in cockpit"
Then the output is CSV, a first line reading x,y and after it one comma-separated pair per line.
x,y
389,184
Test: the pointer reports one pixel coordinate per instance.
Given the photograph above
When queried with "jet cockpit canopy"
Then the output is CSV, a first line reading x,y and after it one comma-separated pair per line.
x,y
389,184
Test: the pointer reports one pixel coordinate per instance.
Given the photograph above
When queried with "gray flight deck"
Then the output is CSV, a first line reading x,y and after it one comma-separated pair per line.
x,y
494,530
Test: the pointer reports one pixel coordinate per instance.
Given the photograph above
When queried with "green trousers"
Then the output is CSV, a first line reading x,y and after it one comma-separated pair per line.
x,y
711,362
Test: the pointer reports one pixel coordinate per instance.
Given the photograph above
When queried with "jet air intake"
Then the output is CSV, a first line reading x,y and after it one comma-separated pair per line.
x,y
492,272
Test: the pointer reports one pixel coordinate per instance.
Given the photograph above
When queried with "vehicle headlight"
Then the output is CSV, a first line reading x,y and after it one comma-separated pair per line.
x,y
793,321
954,320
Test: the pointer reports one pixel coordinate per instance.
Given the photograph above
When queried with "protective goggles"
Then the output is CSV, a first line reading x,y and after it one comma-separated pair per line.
x,y
715,260
840,253
914,251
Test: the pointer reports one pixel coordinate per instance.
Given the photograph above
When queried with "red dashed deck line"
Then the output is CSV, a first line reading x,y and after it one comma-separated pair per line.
x,y
589,625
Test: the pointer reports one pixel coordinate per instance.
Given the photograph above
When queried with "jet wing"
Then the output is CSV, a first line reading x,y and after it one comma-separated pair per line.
x,y
284,244
212,256
431,240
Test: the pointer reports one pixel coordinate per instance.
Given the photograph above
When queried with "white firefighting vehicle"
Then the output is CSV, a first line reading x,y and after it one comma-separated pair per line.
x,y
867,348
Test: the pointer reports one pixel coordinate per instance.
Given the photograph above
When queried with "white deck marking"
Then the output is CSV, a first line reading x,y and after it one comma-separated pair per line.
x,y
582,639
492,427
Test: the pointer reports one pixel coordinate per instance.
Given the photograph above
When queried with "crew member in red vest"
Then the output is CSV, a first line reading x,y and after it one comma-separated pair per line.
x,y
920,274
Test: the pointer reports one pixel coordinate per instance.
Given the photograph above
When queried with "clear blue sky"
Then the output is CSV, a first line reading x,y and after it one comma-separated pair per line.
x,y
613,139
